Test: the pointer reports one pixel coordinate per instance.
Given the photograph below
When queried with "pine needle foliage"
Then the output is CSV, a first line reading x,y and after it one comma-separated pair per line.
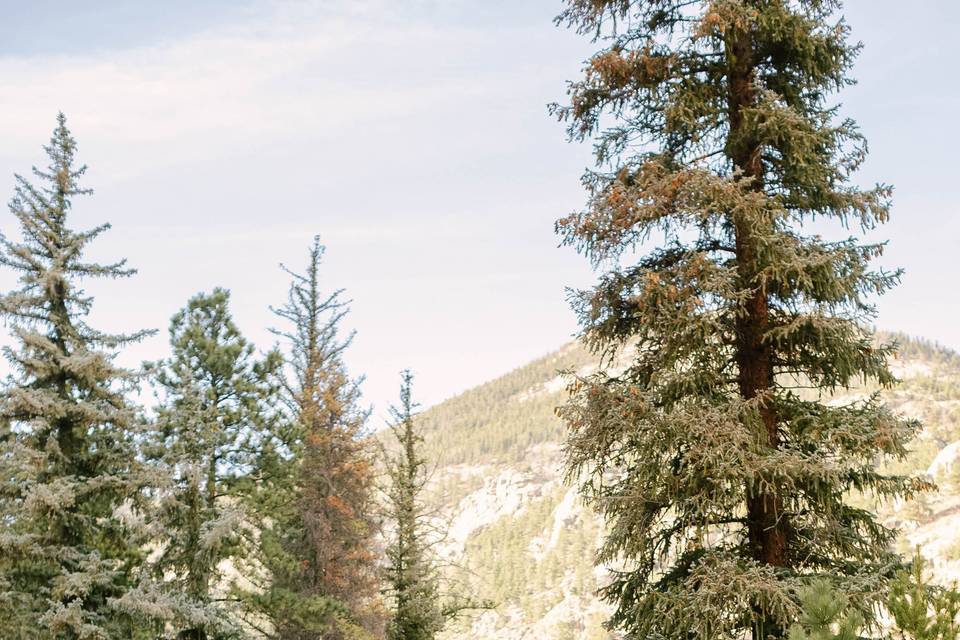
x,y
216,404
920,609
70,480
319,549
412,575
720,162
825,615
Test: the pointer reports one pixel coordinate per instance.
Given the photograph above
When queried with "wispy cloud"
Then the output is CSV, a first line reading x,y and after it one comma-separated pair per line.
x,y
414,138
283,72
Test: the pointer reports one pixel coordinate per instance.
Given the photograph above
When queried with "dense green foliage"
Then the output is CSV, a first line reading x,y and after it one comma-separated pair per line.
x,y
725,489
70,480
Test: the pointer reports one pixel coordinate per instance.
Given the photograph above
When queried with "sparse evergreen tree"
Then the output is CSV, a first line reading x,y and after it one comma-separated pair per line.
x,y
317,552
725,485
412,575
69,475
216,397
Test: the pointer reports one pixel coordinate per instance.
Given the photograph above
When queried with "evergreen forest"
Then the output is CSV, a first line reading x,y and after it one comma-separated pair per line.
x,y
727,450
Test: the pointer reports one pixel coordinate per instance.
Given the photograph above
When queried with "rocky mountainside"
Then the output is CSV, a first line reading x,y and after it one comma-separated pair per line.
x,y
519,535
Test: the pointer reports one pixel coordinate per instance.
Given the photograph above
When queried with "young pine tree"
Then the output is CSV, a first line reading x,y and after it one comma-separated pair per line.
x,y
69,476
412,575
721,469
318,550
921,610
825,615
214,410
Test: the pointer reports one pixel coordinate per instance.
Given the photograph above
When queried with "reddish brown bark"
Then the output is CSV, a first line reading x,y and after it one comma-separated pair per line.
x,y
766,524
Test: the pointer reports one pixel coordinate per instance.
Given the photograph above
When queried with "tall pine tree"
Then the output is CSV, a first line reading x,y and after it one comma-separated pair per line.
x,y
216,406
721,467
69,476
413,578
318,491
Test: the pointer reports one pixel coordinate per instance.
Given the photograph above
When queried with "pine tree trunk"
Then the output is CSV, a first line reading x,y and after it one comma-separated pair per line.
x,y
765,523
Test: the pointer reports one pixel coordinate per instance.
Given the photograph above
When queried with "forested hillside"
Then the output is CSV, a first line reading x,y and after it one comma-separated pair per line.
x,y
520,535
499,420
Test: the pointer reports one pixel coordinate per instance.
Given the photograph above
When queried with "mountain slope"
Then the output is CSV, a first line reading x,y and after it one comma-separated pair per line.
x,y
520,536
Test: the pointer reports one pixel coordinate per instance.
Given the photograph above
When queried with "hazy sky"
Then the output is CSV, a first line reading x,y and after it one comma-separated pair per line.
x,y
413,137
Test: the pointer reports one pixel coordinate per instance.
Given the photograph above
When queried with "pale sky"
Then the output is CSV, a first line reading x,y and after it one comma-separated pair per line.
x,y
413,137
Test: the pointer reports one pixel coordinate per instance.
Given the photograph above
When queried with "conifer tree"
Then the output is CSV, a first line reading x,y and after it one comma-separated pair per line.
x,y
921,610
318,550
216,406
825,615
412,575
69,475
719,465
